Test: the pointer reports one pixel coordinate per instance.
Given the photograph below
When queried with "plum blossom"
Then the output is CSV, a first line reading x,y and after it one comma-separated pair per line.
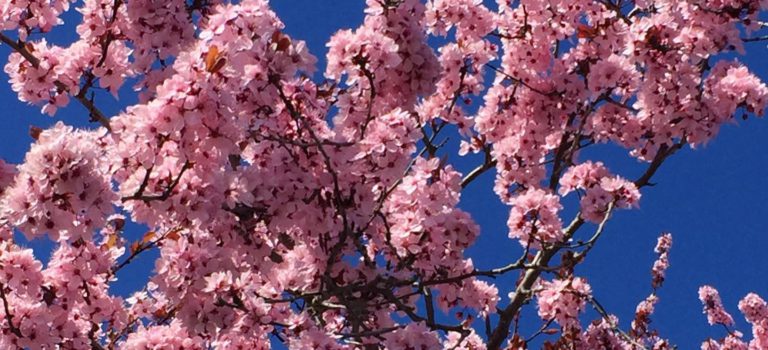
x,y
329,213
413,336
713,307
534,218
172,336
63,188
601,189
563,300
661,264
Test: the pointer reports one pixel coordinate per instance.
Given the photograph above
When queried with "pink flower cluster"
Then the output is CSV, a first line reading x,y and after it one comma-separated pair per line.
x,y
412,336
29,15
534,218
563,300
713,307
424,211
159,30
327,215
661,264
37,83
61,303
600,187
600,335
755,310
461,62
170,337
63,187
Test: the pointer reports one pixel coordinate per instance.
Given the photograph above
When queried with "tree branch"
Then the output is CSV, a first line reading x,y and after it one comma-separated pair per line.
x,y
8,315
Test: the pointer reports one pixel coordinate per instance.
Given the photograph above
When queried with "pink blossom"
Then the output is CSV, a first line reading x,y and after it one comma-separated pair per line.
x,y
329,214
754,308
661,265
63,188
414,336
713,307
563,300
534,218
173,336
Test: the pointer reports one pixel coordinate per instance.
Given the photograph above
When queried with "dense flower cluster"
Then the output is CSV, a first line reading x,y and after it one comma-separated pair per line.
x,y
600,189
563,300
328,215
535,218
713,307
755,310
63,187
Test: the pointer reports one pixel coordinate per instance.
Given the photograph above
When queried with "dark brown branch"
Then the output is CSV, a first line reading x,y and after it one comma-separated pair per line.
x,y
139,195
488,164
600,228
755,39
540,331
551,94
340,203
523,291
372,95
413,316
663,153
8,315
430,306
563,155
519,264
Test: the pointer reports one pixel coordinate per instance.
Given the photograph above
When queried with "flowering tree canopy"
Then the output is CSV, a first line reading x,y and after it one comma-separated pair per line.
x,y
323,213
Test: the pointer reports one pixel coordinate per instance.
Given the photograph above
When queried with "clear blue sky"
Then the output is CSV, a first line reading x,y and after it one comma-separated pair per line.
x,y
712,200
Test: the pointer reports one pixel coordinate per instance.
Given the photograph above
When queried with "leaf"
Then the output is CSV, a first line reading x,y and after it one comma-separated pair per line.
x,y
276,36
584,31
111,241
160,313
148,237
34,132
280,41
118,223
218,65
550,331
211,57
214,60
134,247
283,44
173,235
517,343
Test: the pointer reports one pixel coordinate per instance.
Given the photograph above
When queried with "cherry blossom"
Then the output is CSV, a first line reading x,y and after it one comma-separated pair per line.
x,y
291,210
713,307
73,197
563,300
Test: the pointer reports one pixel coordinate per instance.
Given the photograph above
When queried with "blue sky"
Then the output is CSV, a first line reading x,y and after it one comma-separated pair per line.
x,y
712,200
